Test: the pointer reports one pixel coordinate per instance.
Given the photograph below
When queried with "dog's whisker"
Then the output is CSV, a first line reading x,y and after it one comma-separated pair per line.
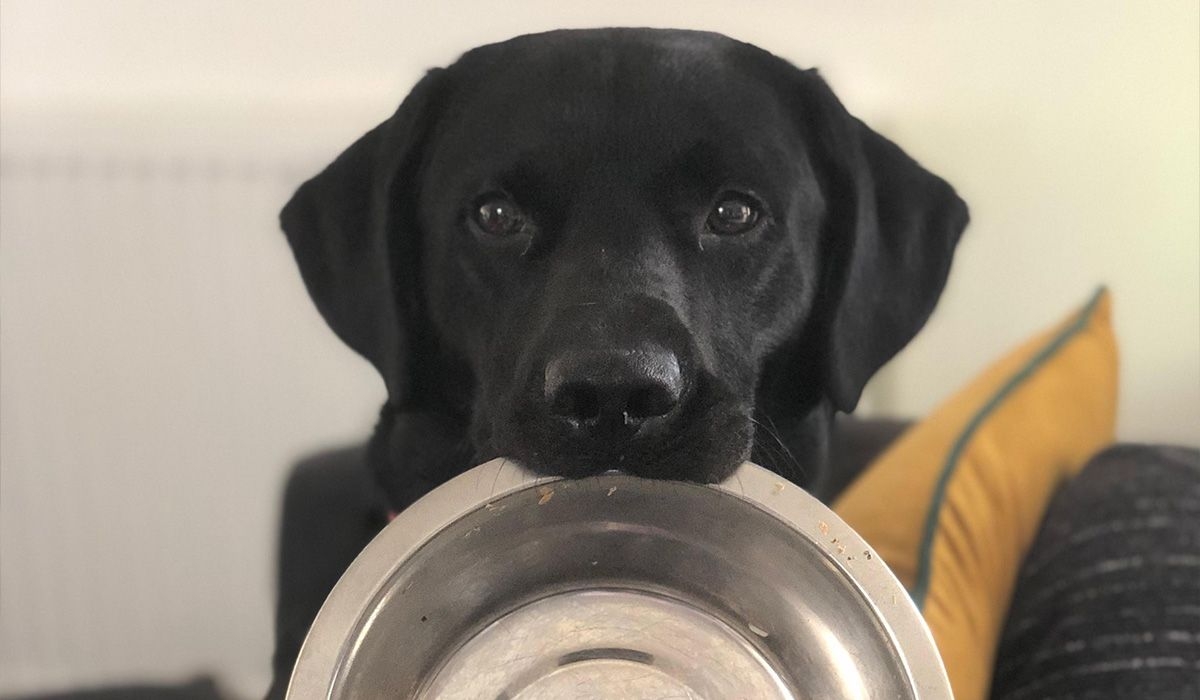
x,y
801,470
784,460
496,478
773,430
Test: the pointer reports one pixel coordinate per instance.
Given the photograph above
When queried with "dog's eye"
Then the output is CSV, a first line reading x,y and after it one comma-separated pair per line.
x,y
733,214
496,215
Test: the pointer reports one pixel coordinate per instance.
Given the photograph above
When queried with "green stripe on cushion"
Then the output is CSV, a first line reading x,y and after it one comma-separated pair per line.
x,y
920,588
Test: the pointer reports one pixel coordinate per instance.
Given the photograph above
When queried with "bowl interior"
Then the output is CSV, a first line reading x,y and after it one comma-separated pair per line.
x,y
681,587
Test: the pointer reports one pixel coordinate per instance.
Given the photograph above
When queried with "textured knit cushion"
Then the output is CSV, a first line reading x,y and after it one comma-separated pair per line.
x,y
954,504
1107,604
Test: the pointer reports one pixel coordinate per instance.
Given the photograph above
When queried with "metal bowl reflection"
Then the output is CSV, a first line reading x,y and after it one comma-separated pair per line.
x,y
501,584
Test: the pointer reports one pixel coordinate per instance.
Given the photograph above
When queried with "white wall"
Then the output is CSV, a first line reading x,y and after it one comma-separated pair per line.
x,y
160,365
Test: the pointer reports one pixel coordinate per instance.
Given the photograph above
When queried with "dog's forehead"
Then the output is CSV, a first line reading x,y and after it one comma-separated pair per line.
x,y
614,93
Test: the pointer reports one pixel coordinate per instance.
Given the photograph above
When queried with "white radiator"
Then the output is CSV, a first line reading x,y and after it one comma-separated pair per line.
x,y
161,366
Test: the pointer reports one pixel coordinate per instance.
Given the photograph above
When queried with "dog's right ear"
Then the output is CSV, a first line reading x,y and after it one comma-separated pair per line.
x,y
352,230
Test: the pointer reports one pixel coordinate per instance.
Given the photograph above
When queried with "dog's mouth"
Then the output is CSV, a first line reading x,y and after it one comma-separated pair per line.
x,y
703,439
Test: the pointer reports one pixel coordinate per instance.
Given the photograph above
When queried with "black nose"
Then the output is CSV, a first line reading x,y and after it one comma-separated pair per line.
x,y
617,389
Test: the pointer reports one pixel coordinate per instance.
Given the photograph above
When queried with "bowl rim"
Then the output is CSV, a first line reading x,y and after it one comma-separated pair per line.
x,y
323,650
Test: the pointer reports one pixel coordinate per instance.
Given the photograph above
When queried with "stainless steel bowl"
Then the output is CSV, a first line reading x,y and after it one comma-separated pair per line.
x,y
503,585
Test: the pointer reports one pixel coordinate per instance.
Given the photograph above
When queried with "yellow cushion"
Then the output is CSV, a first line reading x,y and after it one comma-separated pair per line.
x,y
954,504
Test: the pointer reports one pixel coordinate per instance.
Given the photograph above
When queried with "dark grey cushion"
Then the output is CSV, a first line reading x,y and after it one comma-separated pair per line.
x,y
1107,604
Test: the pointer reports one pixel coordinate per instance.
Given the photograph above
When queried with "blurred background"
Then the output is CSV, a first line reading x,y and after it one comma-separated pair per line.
x,y
161,366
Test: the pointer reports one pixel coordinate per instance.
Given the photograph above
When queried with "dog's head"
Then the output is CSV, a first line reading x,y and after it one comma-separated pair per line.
x,y
622,248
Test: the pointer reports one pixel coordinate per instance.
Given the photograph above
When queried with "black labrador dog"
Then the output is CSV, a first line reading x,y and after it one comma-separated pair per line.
x,y
659,251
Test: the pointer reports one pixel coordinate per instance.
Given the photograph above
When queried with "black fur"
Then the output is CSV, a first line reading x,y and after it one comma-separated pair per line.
x,y
616,144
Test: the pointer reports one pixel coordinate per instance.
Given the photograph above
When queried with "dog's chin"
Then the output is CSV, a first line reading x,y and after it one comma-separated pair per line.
x,y
707,448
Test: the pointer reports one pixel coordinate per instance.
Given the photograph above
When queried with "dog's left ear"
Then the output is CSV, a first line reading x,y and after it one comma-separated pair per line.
x,y
890,231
